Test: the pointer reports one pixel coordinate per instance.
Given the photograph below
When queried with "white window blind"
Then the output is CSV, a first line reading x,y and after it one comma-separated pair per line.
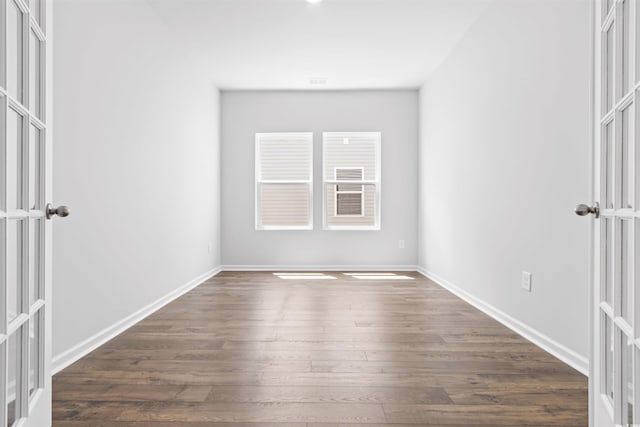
x,y
351,175
284,181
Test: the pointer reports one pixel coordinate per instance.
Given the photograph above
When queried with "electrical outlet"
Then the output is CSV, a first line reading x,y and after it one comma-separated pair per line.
x,y
400,244
526,281
209,248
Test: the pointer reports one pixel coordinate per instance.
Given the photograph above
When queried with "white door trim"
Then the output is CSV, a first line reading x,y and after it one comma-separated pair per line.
x,y
592,141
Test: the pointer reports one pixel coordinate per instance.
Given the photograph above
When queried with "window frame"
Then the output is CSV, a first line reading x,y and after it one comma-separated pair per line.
x,y
308,137
377,136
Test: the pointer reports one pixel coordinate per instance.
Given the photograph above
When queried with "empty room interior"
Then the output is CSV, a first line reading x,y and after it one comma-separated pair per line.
x,y
319,213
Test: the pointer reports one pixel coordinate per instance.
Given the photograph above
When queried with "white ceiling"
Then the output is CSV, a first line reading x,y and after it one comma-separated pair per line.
x,y
354,44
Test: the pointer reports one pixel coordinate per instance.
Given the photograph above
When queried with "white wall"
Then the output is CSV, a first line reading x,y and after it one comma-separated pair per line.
x,y
394,113
136,158
504,158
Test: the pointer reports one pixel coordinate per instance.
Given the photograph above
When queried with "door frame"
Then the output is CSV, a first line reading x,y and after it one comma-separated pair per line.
x,y
592,226
44,416
40,412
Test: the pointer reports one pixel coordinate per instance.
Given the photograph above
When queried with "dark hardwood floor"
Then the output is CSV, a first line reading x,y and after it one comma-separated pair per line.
x,y
253,349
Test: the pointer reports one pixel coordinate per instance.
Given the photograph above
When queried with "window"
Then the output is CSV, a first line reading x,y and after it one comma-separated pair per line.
x,y
351,171
349,198
284,181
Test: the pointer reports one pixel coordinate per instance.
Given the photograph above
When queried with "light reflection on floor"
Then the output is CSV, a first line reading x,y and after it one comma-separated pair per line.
x,y
304,276
359,276
378,276
369,273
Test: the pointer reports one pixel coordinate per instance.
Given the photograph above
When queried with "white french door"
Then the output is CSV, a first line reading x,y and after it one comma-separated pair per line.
x,y
25,159
615,381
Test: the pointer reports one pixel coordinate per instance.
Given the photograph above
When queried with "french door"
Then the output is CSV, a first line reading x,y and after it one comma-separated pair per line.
x,y
615,361
25,158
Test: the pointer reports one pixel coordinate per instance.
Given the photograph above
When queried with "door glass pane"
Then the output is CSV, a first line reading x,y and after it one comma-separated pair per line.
x,y
35,155
626,47
608,58
14,159
627,381
36,10
12,379
606,7
607,4
625,250
607,268
625,160
14,50
633,306
607,347
34,75
35,252
637,20
608,160
34,352
636,380
627,79
14,234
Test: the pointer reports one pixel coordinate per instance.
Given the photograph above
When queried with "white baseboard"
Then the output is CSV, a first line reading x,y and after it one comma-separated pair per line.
x,y
568,356
80,350
355,268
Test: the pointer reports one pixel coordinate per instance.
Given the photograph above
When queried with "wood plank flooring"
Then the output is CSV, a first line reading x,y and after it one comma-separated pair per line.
x,y
253,349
